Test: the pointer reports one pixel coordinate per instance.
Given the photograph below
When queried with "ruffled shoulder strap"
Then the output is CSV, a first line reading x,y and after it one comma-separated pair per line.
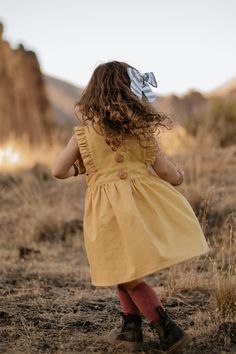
x,y
151,152
85,149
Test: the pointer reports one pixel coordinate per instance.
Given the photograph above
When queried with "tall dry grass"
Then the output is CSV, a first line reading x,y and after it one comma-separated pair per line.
x,y
44,265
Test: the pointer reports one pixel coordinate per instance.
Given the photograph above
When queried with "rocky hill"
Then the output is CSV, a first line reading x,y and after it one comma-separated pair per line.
x,y
24,106
180,108
227,89
62,96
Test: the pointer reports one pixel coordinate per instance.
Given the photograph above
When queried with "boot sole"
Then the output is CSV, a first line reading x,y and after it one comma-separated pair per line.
x,y
183,342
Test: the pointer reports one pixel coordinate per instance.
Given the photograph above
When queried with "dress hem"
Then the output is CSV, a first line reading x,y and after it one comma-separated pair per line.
x,y
156,269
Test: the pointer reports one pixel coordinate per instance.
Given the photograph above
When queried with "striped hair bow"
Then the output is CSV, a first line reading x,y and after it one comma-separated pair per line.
x,y
140,83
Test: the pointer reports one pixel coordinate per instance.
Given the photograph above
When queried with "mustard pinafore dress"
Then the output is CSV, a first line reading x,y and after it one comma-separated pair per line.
x,y
135,223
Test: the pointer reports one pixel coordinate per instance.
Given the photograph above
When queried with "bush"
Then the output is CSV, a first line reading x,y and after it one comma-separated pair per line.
x,y
216,121
223,120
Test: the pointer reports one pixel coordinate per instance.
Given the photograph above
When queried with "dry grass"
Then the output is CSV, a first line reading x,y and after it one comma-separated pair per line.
x,y
47,303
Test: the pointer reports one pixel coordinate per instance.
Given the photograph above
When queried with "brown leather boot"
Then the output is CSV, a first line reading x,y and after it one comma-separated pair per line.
x,y
172,337
130,335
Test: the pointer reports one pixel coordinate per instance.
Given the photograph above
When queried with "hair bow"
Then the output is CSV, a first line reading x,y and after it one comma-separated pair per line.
x,y
139,83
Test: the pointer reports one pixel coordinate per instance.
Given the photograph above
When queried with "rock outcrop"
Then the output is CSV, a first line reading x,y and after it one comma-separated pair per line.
x,y
63,96
24,106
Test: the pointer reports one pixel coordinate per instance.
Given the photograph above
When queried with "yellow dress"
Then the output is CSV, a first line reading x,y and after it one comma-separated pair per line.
x,y
135,223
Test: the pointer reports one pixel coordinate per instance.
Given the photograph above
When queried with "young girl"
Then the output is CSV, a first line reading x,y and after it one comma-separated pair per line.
x,y
135,221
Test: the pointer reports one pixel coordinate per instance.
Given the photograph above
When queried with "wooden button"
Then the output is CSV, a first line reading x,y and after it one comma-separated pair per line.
x,y
119,157
122,174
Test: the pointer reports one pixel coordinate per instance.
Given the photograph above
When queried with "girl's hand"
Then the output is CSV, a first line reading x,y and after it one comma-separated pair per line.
x,y
81,165
181,178
178,166
180,171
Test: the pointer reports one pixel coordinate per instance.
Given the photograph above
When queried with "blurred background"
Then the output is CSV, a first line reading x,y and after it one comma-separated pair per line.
x,y
48,51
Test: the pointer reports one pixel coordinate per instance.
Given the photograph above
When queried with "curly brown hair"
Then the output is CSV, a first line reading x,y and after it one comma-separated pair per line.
x,y
109,102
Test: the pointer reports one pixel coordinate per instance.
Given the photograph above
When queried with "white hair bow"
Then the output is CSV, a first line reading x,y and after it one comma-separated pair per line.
x,y
139,83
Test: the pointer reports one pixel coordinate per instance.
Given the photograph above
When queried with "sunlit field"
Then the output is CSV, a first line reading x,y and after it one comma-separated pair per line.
x,y
17,154
48,304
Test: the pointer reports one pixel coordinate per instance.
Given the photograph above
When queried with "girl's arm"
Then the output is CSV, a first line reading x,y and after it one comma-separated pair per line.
x,y
167,169
62,167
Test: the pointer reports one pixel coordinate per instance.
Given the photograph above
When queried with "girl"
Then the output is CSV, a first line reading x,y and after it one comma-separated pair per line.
x,y
135,221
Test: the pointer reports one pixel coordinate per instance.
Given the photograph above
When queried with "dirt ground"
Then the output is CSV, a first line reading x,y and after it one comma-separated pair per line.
x,y
47,302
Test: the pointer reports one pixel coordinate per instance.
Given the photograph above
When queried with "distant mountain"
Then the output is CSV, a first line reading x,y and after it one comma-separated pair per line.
x,y
62,96
193,103
227,89
182,108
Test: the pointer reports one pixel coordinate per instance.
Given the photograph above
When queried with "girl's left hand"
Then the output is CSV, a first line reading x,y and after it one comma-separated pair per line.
x,y
81,165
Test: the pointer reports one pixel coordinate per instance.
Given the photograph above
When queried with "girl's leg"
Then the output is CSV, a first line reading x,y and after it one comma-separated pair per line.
x,y
145,298
171,335
127,304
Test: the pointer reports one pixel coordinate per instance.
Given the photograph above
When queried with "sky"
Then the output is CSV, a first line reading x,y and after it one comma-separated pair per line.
x,y
187,44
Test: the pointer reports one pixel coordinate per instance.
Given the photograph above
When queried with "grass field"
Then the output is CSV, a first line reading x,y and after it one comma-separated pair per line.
x,y
47,303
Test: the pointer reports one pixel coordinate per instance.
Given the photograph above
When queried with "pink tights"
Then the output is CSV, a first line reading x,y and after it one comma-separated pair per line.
x,y
142,298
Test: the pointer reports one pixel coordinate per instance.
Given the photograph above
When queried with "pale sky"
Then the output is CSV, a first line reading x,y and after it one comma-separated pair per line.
x,y
188,44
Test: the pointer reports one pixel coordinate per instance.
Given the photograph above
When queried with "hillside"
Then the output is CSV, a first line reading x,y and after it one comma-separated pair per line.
x,y
62,96
226,89
48,304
